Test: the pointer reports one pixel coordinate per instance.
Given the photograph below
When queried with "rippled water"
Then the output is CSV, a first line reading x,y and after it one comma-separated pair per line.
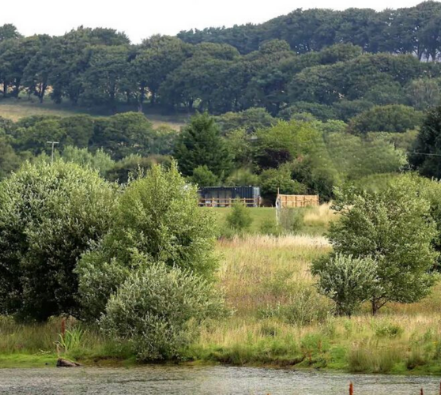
x,y
157,380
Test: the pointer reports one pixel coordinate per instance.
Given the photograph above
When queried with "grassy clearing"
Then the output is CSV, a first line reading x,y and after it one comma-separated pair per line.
x,y
315,220
16,109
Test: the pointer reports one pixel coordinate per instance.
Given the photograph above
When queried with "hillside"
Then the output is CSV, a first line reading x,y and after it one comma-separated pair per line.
x,y
18,109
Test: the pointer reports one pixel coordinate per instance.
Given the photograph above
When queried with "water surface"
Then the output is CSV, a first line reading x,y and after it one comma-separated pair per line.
x,y
160,380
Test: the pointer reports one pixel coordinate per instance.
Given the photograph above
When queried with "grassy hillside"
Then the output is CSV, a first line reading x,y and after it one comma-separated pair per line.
x,y
17,109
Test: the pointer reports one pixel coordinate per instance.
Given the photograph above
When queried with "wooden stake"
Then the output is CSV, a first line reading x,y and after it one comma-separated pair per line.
x,y
351,389
422,392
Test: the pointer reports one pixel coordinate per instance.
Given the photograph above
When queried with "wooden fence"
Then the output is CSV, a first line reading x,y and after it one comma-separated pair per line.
x,y
228,202
294,201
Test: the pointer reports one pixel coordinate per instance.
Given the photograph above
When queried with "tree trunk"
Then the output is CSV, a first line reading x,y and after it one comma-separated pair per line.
x,y
153,98
374,307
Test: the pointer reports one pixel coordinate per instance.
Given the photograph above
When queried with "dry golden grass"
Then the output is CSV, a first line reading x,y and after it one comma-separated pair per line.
x,y
259,271
261,276
320,216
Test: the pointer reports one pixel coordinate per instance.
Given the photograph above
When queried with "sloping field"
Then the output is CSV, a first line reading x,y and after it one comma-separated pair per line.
x,y
17,109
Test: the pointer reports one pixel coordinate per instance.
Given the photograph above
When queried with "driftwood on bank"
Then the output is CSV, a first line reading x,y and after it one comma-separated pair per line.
x,y
64,363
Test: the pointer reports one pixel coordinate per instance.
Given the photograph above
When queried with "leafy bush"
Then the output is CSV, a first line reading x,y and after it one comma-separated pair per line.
x,y
346,280
239,218
157,220
270,227
49,216
204,177
392,118
274,180
394,227
157,309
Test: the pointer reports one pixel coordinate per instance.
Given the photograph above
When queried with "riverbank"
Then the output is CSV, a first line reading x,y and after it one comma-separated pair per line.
x,y
279,320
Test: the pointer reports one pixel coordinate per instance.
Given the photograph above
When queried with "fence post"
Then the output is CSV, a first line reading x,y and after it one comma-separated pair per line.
x,y
351,389
422,392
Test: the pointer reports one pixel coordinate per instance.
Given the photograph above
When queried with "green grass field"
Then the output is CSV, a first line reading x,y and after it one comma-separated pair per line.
x,y
315,219
16,109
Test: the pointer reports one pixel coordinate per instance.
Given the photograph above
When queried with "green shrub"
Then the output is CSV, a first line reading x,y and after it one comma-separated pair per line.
x,y
158,310
291,220
158,219
204,177
239,218
270,227
50,214
346,280
387,330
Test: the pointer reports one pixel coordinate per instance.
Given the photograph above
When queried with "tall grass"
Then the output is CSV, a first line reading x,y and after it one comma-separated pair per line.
x,y
280,318
277,318
46,342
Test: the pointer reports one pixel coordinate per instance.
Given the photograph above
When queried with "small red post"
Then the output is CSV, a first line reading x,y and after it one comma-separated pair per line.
x,y
439,388
422,392
351,389
63,327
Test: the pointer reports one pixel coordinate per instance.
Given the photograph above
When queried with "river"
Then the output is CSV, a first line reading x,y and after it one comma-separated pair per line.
x,y
219,380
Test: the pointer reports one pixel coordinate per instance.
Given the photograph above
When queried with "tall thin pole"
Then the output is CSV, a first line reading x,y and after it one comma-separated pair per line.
x,y
53,148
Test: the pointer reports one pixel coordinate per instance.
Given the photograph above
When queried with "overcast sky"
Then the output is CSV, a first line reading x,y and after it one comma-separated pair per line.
x,y
141,19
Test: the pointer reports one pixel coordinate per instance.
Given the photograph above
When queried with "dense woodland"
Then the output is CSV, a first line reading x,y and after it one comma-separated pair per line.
x,y
308,61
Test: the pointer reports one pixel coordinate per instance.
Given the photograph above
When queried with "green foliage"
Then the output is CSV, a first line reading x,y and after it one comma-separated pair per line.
x,y
355,157
291,220
393,227
319,111
249,120
394,118
239,218
279,180
424,93
425,156
99,161
346,280
242,177
49,216
9,160
200,144
157,219
158,309
124,134
203,177
134,166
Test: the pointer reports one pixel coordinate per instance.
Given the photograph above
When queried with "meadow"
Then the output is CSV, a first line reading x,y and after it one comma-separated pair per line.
x,y
14,110
277,318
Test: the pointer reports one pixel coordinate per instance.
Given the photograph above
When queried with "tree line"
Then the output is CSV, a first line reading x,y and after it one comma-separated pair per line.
x,y
298,156
101,68
413,30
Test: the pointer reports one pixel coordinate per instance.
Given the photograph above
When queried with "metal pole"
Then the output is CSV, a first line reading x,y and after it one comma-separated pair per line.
x,y
53,148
